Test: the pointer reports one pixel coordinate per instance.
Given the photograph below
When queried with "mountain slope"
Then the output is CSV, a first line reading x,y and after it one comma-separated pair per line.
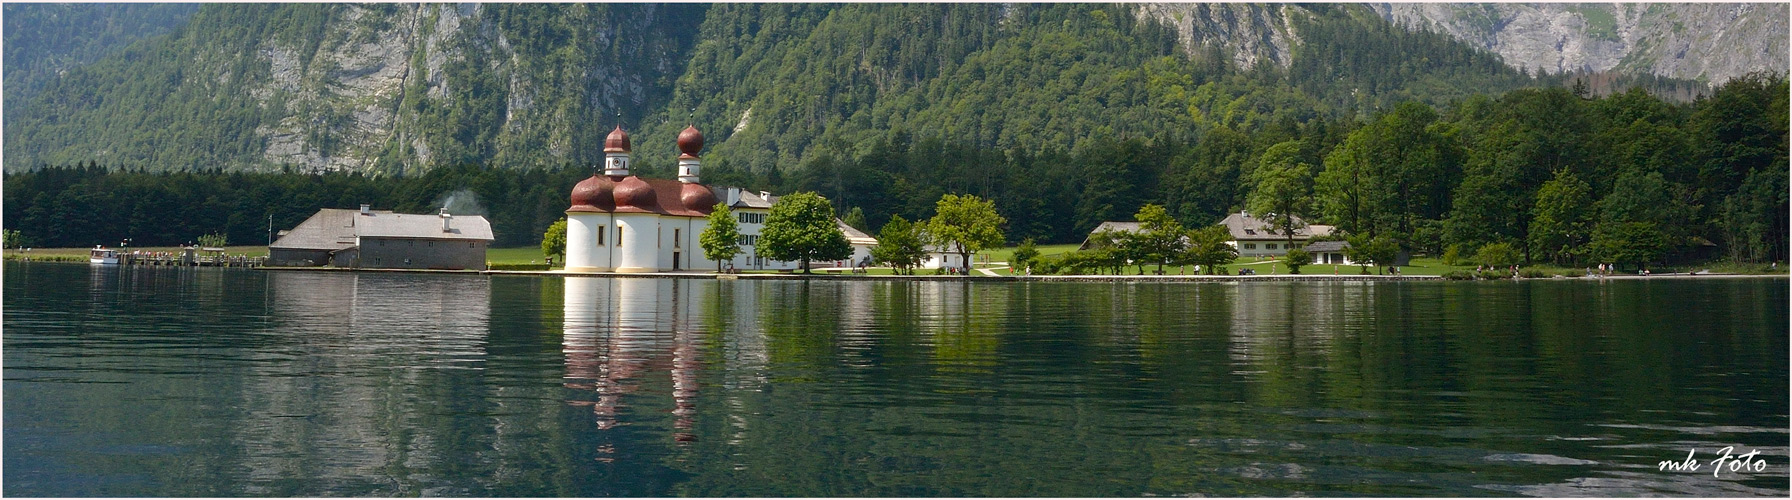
x,y
45,40
362,87
1709,42
397,89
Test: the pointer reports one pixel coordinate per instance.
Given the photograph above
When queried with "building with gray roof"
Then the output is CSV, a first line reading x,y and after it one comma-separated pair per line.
x,y
369,238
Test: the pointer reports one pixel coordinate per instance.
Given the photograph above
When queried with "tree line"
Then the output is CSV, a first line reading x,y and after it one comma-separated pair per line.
x,y
94,204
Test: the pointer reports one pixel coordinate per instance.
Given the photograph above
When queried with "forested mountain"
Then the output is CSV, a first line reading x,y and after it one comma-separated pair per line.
x,y
44,40
1065,114
393,88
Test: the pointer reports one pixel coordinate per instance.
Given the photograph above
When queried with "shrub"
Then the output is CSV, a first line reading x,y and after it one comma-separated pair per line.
x,y
1297,259
1459,275
1453,255
1497,274
1533,273
1498,255
1574,273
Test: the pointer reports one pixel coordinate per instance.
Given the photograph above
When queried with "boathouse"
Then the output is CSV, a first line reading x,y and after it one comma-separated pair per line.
x,y
381,239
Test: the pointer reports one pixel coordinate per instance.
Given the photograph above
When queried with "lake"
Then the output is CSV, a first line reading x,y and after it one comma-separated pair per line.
x,y
231,382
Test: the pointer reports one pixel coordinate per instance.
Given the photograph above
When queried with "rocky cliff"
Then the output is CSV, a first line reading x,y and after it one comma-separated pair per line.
x,y
389,87
1708,42
1248,34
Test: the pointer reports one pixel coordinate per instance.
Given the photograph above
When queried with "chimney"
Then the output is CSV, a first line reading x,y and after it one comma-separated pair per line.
x,y
766,195
446,219
366,209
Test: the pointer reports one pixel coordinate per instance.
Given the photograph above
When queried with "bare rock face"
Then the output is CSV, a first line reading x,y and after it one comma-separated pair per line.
x,y
1707,42
343,105
1249,33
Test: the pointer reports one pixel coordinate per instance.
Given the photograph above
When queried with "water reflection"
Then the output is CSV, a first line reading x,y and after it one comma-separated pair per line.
x,y
174,382
617,332
368,359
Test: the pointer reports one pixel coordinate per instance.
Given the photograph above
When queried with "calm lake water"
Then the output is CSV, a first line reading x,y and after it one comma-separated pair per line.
x,y
219,382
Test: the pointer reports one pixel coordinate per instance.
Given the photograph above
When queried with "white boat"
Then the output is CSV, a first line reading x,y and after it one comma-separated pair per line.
x,y
102,256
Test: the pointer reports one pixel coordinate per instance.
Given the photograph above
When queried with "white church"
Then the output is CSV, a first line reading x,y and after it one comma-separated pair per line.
x,y
622,223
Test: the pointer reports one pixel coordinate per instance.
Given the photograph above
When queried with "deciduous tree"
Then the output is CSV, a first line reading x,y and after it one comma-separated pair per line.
x,y
899,245
965,225
1160,239
553,242
721,238
801,227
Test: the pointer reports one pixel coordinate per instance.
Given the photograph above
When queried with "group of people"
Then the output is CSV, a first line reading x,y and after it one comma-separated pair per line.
x,y
1608,269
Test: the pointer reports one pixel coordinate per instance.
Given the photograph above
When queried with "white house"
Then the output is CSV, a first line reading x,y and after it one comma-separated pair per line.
x,y
622,223
1255,237
1329,252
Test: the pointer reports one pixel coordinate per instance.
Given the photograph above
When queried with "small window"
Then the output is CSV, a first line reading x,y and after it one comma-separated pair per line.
x,y
1250,246
431,244
618,235
469,244
1271,246
600,234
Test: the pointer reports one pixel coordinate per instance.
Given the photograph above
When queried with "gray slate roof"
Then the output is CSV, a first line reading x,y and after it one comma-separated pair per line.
x,y
328,229
1326,247
390,225
336,228
1246,228
749,199
853,235
1116,226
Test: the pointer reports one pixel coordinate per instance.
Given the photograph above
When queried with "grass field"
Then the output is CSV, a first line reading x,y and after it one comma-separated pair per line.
x,y
517,255
1003,254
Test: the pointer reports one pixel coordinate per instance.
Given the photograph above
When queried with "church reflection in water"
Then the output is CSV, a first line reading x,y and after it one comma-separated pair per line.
x,y
622,334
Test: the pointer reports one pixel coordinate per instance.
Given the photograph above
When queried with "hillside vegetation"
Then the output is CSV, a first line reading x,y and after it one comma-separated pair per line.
x,y
1065,114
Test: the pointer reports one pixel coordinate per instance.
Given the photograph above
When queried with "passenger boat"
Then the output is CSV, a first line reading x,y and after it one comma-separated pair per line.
x,y
102,256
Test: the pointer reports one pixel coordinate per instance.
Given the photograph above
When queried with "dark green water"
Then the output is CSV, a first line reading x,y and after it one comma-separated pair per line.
x,y
208,382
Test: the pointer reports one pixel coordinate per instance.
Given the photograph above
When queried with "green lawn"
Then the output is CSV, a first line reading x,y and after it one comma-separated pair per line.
x,y
1003,254
517,255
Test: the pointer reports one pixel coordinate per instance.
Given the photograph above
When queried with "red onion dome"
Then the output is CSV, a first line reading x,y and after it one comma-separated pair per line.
x,y
617,142
697,197
633,192
690,141
594,194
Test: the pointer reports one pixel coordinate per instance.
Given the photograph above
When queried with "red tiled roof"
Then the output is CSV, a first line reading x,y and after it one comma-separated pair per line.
x,y
643,196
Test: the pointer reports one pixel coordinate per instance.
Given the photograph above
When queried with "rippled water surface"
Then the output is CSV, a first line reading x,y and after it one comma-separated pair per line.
x,y
218,382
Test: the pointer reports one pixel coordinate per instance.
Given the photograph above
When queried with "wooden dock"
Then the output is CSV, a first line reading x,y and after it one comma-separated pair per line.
x,y
189,259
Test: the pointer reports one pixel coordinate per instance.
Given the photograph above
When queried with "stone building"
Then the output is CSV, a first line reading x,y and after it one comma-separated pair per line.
x,y
382,239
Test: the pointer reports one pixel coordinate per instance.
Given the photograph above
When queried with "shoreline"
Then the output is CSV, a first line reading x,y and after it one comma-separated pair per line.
x,y
1125,278
1087,278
